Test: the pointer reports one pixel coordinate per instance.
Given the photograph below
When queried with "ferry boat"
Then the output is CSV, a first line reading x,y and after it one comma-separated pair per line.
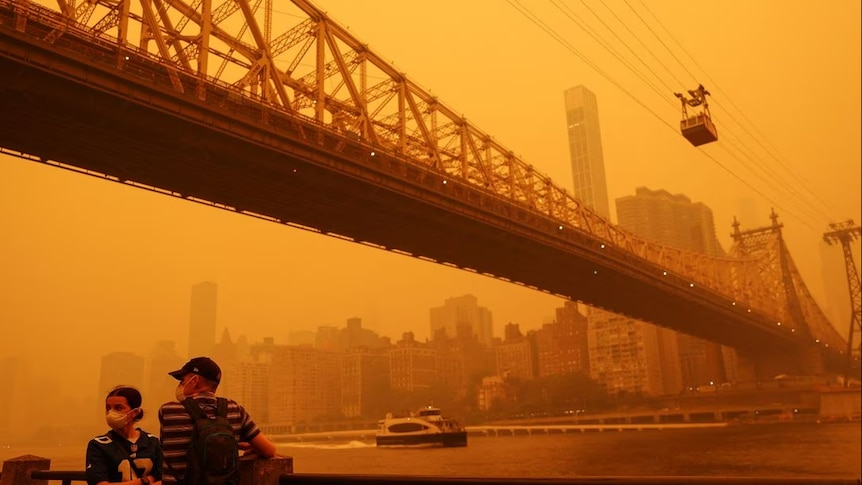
x,y
425,428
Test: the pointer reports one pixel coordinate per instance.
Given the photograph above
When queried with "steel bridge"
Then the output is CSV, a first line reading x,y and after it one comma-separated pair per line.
x,y
312,129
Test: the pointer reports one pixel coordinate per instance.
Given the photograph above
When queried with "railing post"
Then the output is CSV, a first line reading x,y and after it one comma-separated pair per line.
x,y
16,471
254,470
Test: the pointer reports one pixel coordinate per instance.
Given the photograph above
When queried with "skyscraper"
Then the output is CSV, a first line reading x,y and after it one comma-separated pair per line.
x,y
120,368
585,148
750,213
636,370
673,220
834,274
463,310
14,418
202,321
670,219
163,359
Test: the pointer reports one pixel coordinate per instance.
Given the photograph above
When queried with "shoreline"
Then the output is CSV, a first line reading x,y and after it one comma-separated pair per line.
x,y
527,430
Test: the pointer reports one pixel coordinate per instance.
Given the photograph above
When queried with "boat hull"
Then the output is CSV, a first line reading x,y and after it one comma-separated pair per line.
x,y
455,439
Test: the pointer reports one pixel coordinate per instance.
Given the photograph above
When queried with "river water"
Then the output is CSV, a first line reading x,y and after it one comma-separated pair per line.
x,y
763,450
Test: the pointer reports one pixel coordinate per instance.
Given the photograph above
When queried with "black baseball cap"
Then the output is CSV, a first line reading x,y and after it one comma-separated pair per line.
x,y
202,366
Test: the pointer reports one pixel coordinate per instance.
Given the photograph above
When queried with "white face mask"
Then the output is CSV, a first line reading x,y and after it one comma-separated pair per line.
x,y
117,420
181,396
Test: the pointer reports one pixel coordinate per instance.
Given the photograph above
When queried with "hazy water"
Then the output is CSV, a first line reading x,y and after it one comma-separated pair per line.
x,y
779,450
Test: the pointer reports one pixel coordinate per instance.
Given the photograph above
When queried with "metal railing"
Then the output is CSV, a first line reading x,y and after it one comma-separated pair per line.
x,y
63,476
67,477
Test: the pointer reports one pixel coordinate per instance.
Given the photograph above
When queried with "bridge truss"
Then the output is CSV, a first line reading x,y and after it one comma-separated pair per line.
x,y
794,304
318,71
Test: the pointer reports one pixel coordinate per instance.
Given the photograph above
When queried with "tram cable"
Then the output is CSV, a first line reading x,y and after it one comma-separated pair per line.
x,y
576,19
623,42
529,15
762,165
746,151
773,152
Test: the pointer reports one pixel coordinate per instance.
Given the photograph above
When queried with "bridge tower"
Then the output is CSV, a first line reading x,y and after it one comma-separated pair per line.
x,y
844,233
777,270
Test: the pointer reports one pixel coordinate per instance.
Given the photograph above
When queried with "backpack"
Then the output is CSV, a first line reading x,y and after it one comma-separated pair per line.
x,y
214,451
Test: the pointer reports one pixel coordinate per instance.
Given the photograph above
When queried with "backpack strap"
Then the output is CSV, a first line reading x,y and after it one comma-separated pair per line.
x,y
193,408
221,407
118,450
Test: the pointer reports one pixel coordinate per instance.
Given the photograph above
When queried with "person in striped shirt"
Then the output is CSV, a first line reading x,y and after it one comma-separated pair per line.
x,y
199,378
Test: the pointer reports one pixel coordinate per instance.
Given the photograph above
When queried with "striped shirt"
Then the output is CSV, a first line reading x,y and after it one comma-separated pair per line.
x,y
176,428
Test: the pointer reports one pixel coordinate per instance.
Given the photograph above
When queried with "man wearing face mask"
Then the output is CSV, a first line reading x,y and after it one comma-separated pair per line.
x,y
198,379
126,454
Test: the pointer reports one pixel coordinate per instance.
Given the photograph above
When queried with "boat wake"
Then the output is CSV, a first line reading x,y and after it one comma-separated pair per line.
x,y
328,445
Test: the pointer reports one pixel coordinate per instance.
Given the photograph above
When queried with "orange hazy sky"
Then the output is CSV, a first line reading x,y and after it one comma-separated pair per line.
x,y
90,266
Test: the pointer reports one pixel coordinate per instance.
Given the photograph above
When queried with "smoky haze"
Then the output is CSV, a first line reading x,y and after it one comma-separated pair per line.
x,y
91,267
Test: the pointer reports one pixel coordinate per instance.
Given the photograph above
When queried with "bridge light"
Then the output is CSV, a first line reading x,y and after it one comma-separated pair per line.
x,y
733,303
827,345
792,329
127,58
664,273
595,271
445,182
749,310
691,285
560,227
294,170
779,324
817,341
373,153
603,246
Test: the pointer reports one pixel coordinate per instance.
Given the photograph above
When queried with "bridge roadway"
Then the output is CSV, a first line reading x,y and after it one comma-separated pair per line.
x,y
69,102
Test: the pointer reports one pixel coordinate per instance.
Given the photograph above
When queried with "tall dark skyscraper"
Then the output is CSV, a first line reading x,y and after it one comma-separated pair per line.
x,y
585,148
202,321
637,369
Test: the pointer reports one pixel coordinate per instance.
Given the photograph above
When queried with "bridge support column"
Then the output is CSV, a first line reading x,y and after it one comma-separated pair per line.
x,y
764,366
812,362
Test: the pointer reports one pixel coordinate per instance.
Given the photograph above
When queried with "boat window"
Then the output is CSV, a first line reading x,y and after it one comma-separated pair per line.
x,y
406,427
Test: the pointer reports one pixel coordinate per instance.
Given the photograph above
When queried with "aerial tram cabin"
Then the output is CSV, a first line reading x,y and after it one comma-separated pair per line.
x,y
697,129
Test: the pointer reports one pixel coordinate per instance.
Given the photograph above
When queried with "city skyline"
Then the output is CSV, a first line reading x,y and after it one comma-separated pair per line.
x,y
113,264
246,366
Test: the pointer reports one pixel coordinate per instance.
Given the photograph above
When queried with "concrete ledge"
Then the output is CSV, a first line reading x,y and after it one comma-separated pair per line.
x,y
315,479
16,471
35,470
